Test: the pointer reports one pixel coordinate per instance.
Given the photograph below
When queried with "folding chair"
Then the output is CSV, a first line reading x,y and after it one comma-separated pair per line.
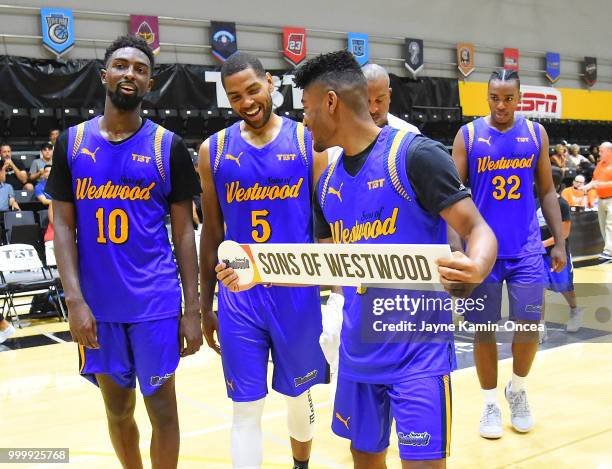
x,y
12,219
24,275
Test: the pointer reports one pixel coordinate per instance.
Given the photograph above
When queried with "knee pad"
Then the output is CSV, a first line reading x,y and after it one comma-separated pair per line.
x,y
300,417
247,437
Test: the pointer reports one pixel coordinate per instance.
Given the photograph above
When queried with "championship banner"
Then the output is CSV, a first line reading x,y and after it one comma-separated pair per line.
x,y
147,27
223,39
465,58
334,264
553,66
590,70
413,55
294,45
57,29
359,47
540,102
511,59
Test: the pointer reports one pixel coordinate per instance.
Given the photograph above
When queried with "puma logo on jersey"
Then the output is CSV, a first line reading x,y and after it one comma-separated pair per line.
x,y
345,422
236,159
485,140
336,192
91,154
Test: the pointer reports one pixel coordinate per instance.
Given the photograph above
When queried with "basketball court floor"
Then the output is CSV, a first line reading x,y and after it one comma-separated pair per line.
x,y
44,403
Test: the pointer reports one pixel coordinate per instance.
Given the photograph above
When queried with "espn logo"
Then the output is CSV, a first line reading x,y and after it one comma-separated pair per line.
x,y
540,102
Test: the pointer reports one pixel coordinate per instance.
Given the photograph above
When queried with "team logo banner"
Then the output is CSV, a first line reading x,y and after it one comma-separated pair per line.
x,y
590,70
223,39
334,264
57,29
147,27
294,45
465,58
359,47
413,55
511,59
553,66
540,102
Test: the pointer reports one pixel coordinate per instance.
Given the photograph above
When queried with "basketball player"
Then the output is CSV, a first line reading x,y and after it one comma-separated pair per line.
x,y
503,155
114,179
257,179
406,380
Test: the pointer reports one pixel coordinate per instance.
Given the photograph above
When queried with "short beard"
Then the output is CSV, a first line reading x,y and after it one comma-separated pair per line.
x,y
267,112
124,103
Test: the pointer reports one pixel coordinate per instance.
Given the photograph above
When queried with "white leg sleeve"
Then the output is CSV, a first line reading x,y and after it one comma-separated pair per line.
x,y
300,417
247,437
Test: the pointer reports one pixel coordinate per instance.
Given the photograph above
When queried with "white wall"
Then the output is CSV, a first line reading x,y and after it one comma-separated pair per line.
x,y
574,29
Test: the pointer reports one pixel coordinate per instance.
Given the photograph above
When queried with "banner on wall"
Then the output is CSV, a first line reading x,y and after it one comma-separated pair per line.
x,y
465,58
147,27
294,45
359,47
223,39
553,66
57,30
511,59
540,102
413,55
590,70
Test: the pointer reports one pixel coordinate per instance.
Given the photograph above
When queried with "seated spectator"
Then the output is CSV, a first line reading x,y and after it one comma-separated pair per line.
x,y
39,191
16,174
49,233
576,196
558,159
7,194
576,158
38,165
593,154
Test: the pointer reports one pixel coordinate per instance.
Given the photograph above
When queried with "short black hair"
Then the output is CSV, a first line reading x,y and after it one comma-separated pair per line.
x,y
46,146
129,40
503,74
333,68
239,61
4,144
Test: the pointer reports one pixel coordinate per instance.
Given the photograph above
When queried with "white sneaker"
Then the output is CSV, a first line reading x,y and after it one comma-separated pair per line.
x,y
520,415
6,333
491,422
575,320
543,334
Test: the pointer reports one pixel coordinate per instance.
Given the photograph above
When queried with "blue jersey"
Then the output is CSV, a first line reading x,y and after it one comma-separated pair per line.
x,y
127,271
501,169
264,193
378,205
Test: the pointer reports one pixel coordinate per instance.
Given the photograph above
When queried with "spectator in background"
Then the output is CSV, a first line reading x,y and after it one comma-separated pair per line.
x,y
602,183
576,158
593,156
577,196
7,194
39,191
558,159
53,134
37,168
6,329
16,174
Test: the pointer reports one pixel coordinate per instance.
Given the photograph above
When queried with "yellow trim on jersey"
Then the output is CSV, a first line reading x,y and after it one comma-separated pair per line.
x,y
159,162
531,127
81,358
470,142
392,165
330,171
300,131
80,131
449,413
219,149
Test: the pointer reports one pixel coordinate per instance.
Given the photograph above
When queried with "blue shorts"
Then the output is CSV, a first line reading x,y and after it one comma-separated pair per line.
x,y
560,281
422,409
148,350
525,280
283,321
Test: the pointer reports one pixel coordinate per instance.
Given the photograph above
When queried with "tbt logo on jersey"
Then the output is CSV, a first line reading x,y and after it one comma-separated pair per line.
x,y
336,192
141,158
235,159
91,154
376,183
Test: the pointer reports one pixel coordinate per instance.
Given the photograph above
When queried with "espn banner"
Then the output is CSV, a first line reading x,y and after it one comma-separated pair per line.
x,y
334,264
540,102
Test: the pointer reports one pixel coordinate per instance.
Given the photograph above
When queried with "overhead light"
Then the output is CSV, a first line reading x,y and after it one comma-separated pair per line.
x,y
90,111
41,111
167,111
15,111
188,113
209,113
66,111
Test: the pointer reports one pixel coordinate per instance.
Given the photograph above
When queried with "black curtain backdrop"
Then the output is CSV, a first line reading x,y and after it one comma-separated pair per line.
x,y
38,83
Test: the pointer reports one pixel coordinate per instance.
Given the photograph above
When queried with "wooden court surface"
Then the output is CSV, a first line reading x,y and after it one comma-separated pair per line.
x,y
44,403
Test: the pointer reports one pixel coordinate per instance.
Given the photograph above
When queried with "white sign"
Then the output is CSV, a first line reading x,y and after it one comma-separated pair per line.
x,y
540,102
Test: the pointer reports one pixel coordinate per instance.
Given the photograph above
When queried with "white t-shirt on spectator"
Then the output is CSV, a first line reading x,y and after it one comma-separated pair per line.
x,y
334,152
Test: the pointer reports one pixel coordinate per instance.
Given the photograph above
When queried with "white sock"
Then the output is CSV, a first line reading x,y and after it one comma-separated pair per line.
x,y
517,383
490,396
247,437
